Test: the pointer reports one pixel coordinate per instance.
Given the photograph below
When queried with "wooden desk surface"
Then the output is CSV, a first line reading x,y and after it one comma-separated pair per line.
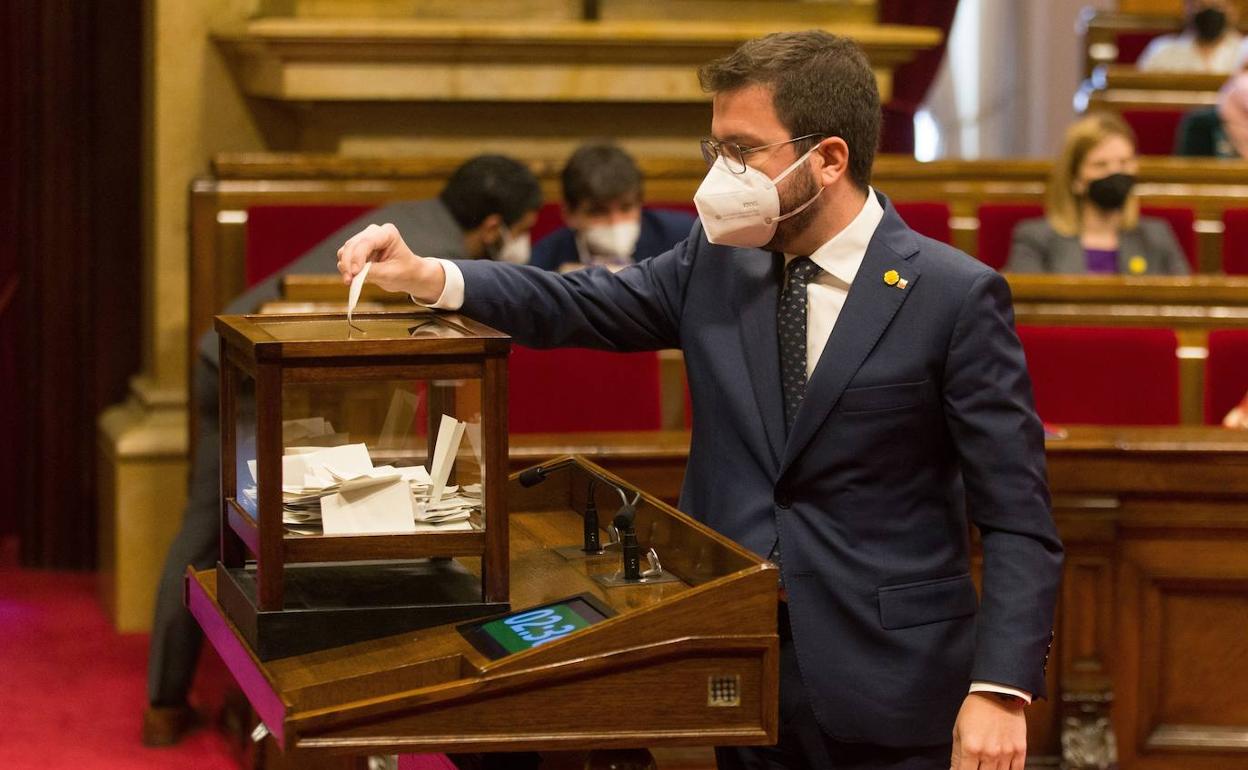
x,y
1197,460
648,664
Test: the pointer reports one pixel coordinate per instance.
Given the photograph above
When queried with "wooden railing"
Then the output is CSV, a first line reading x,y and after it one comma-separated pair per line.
x,y
1192,306
1119,87
219,202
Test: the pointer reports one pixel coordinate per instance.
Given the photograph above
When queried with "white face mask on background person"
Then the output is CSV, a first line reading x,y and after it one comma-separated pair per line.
x,y
613,243
513,248
743,209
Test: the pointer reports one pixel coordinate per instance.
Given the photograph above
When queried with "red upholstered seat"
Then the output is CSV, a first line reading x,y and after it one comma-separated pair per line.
x,y
1235,242
927,218
1132,44
688,207
550,217
1103,376
1154,130
1183,221
278,235
1226,372
570,390
996,228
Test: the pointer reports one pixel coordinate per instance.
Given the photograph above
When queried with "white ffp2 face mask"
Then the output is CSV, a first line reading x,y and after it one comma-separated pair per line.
x,y
743,209
513,248
610,244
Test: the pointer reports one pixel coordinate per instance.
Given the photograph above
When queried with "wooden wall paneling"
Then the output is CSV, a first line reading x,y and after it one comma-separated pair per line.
x,y
1182,692
1084,641
1172,8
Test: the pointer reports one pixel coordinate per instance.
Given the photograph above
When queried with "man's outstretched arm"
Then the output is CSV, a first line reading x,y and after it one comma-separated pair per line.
x,y
638,308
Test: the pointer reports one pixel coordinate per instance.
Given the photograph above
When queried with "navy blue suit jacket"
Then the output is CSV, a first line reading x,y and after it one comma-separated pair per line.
x,y
918,413
660,230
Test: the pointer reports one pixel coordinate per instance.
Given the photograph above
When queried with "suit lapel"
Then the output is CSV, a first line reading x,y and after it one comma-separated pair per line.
x,y
869,309
756,305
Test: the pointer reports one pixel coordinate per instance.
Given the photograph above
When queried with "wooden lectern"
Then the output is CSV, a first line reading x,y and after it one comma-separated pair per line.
x,y
690,662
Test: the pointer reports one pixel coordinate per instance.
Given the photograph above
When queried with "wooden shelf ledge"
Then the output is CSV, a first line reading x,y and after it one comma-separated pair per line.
x,y
316,59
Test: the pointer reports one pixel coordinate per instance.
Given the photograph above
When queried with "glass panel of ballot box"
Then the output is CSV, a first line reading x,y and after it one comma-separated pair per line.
x,y
363,472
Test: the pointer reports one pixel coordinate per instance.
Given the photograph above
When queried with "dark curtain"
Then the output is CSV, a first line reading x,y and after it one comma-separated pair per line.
x,y
911,81
70,259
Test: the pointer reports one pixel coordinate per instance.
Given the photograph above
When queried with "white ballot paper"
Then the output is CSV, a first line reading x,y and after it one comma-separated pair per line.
x,y
450,433
396,431
385,505
346,462
474,440
300,464
357,285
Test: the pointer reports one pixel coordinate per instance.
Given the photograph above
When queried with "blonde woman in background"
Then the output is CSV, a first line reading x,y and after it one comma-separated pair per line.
x,y
1092,221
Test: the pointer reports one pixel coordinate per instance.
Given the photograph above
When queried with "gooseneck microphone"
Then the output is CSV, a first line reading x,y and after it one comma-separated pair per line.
x,y
593,544
629,547
531,477
623,523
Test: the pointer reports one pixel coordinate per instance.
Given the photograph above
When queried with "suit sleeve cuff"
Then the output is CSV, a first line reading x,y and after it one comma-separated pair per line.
x,y
452,296
1000,688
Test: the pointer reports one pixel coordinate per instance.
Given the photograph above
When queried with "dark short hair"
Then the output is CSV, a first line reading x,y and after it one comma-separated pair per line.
x,y
820,84
600,173
491,184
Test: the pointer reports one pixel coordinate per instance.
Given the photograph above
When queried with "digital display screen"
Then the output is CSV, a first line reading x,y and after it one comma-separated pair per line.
x,y
501,636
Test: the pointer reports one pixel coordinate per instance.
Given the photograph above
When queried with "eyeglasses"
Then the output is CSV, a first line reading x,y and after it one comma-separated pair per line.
x,y
734,154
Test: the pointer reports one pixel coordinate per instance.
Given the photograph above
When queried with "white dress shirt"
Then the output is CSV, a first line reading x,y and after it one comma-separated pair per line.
x,y
839,260
1179,53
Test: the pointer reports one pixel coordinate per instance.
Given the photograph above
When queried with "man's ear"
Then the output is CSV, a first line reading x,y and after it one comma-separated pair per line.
x,y
489,232
834,153
479,239
491,229
571,218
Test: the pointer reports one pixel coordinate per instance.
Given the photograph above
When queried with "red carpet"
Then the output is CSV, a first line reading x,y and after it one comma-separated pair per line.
x,y
72,689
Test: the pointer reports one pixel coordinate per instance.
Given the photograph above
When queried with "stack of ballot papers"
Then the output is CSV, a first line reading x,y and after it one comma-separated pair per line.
x,y
336,490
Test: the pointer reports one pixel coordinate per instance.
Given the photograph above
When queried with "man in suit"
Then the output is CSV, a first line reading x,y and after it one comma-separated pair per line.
x,y
485,210
857,390
606,223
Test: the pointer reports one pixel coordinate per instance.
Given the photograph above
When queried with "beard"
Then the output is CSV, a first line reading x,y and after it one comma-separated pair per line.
x,y
801,188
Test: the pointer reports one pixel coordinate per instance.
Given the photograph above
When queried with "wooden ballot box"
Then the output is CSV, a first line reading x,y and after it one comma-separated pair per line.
x,y
580,662
362,476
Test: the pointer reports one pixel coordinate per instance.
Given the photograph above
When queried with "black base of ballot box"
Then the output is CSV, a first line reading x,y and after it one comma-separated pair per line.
x,y
332,604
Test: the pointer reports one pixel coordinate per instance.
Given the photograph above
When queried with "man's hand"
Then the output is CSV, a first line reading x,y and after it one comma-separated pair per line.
x,y
396,268
1237,417
989,734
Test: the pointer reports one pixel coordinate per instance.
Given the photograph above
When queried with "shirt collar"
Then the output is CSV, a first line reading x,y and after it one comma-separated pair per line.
x,y
841,256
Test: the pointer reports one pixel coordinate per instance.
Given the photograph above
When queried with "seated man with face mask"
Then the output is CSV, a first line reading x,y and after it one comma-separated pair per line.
x,y
606,222
1209,41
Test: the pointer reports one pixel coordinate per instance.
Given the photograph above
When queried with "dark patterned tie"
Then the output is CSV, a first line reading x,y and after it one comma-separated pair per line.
x,y
791,326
